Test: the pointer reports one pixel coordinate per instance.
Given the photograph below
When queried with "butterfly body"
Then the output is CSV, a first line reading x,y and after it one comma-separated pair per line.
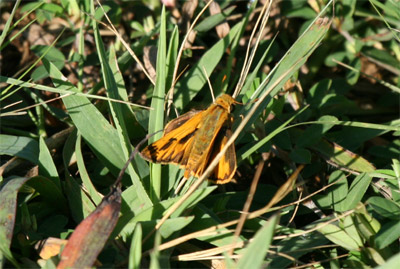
x,y
195,138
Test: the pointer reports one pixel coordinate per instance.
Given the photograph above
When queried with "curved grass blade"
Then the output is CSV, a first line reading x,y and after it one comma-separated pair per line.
x,y
156,117
95,129
20,146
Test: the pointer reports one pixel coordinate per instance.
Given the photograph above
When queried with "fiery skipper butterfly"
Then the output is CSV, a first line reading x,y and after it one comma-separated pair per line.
x,y
195,138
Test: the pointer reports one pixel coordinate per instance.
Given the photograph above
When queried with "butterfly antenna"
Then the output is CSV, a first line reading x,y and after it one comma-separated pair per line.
x,y
209,84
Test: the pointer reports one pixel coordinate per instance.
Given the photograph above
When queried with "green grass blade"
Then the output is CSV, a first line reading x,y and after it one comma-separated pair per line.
x,y
87,183
8,23
110,72
135,251
156,117
47,167
357,190
95,129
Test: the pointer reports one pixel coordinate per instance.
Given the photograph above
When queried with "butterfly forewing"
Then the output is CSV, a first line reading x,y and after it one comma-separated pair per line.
x,y
171,148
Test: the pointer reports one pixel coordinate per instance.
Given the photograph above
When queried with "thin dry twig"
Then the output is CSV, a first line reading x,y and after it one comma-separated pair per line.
x,y
126,45
179,56
263,17
249,200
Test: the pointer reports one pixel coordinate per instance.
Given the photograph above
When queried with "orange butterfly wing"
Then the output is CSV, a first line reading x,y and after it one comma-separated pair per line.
x,y
176,140
204,140
226,167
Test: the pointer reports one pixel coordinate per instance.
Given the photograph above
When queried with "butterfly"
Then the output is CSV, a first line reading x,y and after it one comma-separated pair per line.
x,y
194,139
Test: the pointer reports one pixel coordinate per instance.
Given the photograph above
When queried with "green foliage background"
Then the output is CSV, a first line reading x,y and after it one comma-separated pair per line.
x,y
322,91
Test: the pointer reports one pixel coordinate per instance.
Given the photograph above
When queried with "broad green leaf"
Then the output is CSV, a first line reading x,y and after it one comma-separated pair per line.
x,y
342,157
87,183
50,193
348,225
254,254
174,224
127,224
19,146
389,232
155,254
384,207
367,226
357,190
297,247
339,236
335,195
300,155
117,91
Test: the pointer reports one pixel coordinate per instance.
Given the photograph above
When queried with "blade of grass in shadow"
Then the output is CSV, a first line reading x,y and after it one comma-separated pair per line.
x,y
156,117
8,200
95,129
47,167
20,146
135,251
87,183
110,72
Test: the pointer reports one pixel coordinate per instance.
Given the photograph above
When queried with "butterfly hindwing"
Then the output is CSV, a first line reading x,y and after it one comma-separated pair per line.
x,y
226,167
204,140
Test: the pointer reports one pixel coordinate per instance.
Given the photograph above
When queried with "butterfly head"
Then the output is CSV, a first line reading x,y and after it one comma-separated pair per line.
x,y
226,101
